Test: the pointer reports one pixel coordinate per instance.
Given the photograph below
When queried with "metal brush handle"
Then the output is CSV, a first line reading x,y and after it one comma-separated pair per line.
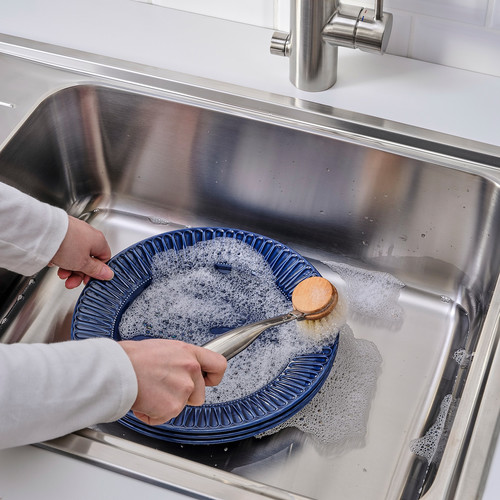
x,y
234,341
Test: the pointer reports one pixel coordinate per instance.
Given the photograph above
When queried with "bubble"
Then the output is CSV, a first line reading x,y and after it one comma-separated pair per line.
x,y
462,357
431,445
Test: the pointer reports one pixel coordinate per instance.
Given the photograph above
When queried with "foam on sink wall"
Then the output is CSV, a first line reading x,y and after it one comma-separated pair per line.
x,y
459,33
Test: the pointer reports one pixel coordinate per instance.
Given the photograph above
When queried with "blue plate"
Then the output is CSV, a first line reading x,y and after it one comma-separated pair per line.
x,y
102,303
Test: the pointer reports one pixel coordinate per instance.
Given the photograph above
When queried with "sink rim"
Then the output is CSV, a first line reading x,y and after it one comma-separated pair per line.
x,y
91,69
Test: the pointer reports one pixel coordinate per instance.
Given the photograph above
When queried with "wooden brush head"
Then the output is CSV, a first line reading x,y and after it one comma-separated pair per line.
x,y
315,297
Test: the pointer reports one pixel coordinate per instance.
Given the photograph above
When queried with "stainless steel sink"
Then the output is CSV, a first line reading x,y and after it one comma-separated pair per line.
x,y
138,154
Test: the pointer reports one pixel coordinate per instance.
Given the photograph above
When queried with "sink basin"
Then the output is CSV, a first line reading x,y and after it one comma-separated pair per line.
x,y
137,161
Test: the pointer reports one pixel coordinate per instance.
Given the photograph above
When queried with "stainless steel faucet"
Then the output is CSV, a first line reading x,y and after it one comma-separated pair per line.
x,y
318,28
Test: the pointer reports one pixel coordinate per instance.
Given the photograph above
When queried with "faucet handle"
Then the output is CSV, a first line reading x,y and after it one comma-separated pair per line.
x,y
359,28
280,44
373,31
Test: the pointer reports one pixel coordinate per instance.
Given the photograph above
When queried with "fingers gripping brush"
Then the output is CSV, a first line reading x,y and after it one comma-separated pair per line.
x,y
313,299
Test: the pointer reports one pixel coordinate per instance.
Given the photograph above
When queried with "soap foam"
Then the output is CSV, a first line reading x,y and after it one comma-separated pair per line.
x,y
462,357
337,416
221,283
431,445
372,296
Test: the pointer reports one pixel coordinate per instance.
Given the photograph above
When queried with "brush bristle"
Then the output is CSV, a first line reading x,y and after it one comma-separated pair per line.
x,y
327,327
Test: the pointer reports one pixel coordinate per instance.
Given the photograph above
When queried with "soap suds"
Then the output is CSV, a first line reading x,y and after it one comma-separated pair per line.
x,y
462,357
372,296
431,445
217,285
338,415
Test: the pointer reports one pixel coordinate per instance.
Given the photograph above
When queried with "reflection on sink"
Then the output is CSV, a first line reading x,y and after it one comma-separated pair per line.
x,y
137,165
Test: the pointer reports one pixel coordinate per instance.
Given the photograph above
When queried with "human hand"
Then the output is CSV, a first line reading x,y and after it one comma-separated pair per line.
x,y
82,254
170,376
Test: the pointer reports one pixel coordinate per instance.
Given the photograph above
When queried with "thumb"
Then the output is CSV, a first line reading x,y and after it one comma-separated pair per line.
x,y
97,269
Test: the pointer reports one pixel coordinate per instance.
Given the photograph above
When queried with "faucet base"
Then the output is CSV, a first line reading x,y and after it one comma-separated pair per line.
x,y
313,62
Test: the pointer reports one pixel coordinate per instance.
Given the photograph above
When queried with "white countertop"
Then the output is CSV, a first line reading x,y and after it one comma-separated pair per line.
x,y
438,98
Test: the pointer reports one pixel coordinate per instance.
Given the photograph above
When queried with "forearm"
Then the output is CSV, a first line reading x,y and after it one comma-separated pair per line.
x,y
50,390
30,231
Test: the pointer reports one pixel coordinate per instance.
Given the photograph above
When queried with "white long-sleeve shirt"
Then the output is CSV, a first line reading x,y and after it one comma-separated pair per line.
x,y
48,390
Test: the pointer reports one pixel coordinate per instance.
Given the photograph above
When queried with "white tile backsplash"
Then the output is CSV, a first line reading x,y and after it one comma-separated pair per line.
x,y
257,12
468,47
399,41
467,11
458,33
495,15
282,15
